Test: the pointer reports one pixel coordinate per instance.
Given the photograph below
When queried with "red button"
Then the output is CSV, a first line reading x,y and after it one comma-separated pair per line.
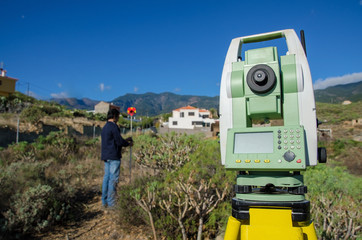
x,y
299,160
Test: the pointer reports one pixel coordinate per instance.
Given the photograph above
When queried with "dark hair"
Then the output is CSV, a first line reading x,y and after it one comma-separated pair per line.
x,y
112,113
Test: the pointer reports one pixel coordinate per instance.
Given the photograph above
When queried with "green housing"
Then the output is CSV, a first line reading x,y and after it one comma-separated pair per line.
x,y
281,102
281,150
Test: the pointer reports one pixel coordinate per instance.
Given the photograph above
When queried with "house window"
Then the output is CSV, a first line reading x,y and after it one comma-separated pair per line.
x,y
191,113
174,123
197,123
1,82
182,114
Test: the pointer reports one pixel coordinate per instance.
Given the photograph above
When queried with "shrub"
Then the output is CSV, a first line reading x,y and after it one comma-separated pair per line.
x,y
38,193
35,209
129,211
165,152
23,151
61,145
207,184
190,186
51,109
79,113
335,197
32,114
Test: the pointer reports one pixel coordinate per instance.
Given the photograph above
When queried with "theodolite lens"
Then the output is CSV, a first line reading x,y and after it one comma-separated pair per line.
x,y
261,78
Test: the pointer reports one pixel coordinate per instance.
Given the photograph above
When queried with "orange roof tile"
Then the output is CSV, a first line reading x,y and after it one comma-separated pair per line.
x,y
185,108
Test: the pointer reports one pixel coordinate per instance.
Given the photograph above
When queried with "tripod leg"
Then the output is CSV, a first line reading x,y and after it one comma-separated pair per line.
x,y
232,229
270,224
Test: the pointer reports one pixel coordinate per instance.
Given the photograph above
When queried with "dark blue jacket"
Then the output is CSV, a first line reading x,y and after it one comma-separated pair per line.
x,y
112,142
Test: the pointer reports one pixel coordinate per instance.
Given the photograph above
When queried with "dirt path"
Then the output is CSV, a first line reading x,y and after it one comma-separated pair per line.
x,y
95,223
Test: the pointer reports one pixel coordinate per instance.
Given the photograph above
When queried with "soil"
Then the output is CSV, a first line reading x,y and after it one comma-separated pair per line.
x,y
96,223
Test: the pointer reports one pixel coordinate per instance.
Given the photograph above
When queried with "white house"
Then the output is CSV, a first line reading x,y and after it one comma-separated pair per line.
x,y
190,118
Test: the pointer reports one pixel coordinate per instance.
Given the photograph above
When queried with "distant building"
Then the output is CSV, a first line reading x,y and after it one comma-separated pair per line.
x,y
346,102
190,118
7,84
104,107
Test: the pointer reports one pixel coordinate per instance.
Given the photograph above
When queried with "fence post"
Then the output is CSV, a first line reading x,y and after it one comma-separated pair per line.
x,y
17,130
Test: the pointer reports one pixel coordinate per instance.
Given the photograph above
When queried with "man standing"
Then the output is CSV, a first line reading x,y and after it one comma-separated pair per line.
x,y
112,143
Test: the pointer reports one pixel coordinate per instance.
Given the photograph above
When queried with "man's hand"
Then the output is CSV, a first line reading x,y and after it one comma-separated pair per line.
x,y
130,141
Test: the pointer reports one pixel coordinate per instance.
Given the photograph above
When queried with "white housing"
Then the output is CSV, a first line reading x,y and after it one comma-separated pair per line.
x,y
307,110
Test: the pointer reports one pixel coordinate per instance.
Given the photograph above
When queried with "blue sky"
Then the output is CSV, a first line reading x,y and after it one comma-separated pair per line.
x,y
105,49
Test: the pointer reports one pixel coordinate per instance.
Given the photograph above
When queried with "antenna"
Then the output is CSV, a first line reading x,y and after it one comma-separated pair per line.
x,y
302,38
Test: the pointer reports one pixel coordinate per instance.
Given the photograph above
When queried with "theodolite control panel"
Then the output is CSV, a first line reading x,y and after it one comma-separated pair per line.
x,y
266,148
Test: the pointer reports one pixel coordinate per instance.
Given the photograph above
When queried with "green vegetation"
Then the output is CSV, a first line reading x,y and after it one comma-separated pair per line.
x,y
181,190
335,194
337,113
144,122
185,190
335,197
40,182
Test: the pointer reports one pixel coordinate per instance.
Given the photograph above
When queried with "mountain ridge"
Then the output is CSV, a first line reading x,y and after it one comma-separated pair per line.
x,y
153,104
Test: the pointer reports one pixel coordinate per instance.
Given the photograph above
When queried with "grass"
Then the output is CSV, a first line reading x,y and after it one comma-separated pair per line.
x,y
338,113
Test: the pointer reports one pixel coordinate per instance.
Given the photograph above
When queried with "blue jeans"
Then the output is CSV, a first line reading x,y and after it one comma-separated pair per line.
x,y
110,180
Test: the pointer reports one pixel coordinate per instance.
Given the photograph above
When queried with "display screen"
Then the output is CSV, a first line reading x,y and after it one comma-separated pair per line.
x,y
255,142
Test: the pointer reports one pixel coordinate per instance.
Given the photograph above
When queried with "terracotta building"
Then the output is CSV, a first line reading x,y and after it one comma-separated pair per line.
x,y
7,84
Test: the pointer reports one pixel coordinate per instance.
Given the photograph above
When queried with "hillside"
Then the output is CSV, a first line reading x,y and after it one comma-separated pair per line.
x,y
340,93
84,103
154,104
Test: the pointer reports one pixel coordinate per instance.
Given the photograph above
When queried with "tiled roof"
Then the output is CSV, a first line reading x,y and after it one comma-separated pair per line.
x,y
191,108
185,108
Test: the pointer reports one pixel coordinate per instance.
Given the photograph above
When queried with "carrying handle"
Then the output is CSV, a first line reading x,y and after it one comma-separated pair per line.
x,y
262,37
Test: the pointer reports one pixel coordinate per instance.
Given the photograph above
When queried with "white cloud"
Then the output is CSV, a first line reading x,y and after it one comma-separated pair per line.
x,y
59,95
135,89
103,87
177,90
60,85
360,2
333,81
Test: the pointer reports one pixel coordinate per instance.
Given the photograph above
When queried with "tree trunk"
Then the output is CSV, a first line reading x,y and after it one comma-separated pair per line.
x,y
199,232
183,231
152,226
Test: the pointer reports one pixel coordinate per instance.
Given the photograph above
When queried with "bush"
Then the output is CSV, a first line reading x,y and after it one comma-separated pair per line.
x,y
39,182
165,152
35,209
335,197
23,151
51,109
61,145
32,114
129,212
190,183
